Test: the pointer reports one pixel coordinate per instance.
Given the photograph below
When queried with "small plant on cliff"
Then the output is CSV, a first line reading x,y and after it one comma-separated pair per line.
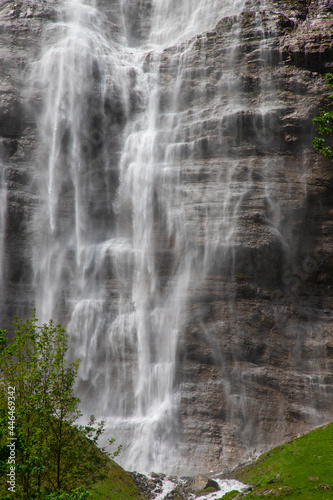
x,y
324,124
38,411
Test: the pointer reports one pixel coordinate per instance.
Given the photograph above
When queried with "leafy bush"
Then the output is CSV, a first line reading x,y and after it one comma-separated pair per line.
x,y
38,411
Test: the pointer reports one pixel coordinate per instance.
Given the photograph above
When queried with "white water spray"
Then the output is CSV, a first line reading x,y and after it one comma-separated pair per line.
x,y
116,247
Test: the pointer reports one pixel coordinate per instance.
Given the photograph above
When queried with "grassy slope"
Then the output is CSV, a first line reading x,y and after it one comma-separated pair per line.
x,y
301,469
119,485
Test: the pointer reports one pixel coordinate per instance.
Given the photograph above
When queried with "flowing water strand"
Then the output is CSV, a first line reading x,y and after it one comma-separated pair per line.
x,y
75,74
148,185
3,220
257,118
173,21
280,220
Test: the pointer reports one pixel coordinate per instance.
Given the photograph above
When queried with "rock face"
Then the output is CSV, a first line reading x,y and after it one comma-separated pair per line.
x,y
253,364
254,357
22,25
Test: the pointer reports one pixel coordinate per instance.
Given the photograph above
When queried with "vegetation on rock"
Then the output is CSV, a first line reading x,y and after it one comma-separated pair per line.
x,y
324,123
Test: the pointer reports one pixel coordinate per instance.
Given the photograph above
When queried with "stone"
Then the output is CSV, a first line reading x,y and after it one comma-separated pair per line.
x,y
200,483
10,114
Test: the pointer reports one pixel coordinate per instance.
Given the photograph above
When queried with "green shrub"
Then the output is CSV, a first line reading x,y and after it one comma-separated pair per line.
x,y
324,124
38,411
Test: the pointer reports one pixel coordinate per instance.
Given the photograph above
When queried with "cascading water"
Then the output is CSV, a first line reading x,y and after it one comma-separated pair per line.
x,y
126,234
100,239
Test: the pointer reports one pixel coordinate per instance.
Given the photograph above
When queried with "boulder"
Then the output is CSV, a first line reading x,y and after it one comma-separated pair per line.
x,y
202,483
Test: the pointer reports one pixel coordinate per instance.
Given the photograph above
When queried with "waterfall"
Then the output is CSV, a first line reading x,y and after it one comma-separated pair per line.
x,y
107,220
127,235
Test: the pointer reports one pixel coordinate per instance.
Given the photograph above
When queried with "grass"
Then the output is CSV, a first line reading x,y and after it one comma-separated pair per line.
x,y
231,495
301,469
119,485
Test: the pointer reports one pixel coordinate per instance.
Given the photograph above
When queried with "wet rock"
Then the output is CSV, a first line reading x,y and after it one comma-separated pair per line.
x,y
202,483
11,113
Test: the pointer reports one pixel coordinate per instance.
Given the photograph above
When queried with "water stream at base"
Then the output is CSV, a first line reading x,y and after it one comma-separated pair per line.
x,y
114,210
